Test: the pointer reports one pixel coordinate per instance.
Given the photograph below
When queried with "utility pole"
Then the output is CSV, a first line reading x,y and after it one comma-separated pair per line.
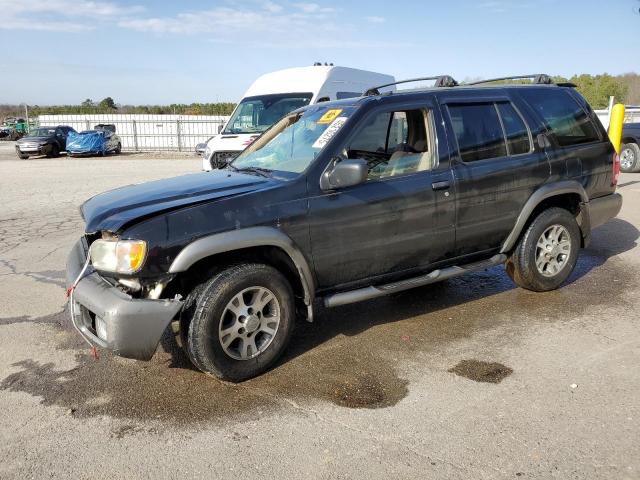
x,y
26,114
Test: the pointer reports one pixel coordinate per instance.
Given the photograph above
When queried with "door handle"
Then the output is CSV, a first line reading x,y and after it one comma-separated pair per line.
x,y
444,185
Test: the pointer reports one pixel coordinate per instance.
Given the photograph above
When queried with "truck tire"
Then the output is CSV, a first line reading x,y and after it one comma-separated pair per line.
x,y
630,158
547,252
241,322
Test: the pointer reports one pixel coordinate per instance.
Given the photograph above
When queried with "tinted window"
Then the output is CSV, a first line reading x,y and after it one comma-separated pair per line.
x,y
516,131
562,115
478,131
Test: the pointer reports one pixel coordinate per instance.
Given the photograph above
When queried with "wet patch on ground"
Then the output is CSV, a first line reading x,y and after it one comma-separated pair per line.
x,y
55,319
350,356
478,371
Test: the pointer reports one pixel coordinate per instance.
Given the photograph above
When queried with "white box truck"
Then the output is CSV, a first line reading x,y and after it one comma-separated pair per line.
x,y
275,94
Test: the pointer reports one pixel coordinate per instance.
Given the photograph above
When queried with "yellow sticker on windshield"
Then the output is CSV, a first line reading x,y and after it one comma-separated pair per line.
x,y
330,115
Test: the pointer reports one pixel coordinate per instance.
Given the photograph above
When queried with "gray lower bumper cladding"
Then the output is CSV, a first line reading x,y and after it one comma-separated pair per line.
x,y
133,327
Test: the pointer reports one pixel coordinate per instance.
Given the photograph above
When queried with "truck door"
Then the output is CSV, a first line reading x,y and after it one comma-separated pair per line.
x,y
402,217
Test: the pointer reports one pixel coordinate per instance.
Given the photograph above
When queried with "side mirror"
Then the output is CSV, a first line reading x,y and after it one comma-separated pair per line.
x,y
345,173
220,128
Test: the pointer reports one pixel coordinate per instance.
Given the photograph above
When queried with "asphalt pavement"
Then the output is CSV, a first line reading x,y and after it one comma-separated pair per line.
x,y
469,378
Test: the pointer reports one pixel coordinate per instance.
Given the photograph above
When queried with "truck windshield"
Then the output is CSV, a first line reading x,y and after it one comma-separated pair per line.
x,y
294,142
256,114
42,132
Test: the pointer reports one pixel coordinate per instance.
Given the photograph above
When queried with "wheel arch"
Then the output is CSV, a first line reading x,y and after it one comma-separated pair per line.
x,y
256,242
568,193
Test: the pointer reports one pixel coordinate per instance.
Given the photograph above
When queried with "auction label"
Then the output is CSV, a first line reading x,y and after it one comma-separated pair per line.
x,y
329,132
329,116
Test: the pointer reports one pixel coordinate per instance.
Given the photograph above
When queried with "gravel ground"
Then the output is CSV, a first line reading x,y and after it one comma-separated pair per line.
x,y
470,378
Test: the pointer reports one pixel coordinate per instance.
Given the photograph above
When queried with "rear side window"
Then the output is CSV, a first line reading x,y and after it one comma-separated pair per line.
x,y
515,130
478,131
562,115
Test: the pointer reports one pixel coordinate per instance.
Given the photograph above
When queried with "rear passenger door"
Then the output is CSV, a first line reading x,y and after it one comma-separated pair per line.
x,y
496,168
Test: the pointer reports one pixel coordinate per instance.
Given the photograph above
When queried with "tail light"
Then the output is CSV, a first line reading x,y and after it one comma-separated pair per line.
x,y
616,170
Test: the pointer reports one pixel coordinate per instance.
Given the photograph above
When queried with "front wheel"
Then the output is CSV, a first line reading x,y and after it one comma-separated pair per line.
x,y
630,158
22,156
547,253
241,321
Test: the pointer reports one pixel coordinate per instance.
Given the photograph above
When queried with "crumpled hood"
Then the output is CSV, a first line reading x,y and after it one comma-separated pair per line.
x,y
113,209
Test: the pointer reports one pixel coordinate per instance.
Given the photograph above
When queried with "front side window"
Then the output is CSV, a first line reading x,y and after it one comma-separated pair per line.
x,y
562,115
294,142
257,114
395,143
478,131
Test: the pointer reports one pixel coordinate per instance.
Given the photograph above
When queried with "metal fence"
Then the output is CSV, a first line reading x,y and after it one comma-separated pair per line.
x,y
631,115
154,133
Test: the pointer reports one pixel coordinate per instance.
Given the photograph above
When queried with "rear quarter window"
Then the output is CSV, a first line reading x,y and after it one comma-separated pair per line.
x,y
561,113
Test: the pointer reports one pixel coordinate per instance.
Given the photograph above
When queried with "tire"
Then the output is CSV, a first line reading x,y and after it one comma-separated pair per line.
x,y
630,158
550,272
55,151
118,149
23,156
211,314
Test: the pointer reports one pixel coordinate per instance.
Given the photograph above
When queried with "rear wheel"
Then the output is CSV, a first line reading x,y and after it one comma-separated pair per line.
x,y
118,149
547,253
630,158
241,321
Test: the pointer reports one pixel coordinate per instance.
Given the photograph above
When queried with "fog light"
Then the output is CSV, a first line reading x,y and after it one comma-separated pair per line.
x,y
101,328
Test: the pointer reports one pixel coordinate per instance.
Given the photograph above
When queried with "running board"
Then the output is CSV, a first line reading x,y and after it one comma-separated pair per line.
x,y
368,293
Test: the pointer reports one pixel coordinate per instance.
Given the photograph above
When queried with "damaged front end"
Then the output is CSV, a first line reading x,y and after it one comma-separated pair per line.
x,y
123,315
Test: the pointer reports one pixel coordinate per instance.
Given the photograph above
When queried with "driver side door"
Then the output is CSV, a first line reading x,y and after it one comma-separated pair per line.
x,y
402,217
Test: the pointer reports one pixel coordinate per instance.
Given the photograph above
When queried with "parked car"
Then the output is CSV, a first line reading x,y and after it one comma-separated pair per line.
x,y
49,141
341,202
274,95
99,141
630,149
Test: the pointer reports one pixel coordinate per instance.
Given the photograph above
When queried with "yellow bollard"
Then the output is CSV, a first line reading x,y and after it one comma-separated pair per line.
x,y
615,125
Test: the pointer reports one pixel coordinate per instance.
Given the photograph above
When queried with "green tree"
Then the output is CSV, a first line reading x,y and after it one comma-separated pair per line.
x,y
107,104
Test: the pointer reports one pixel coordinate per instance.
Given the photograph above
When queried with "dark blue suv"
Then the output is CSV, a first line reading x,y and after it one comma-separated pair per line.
x,y
340,202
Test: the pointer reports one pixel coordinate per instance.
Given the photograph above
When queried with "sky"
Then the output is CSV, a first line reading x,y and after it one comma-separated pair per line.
x,y
162,52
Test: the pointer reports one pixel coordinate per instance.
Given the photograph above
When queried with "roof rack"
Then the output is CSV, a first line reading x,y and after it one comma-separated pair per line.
x,y
441,81
538,78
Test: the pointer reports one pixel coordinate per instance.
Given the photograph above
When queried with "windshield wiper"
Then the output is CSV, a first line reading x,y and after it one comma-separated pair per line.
x,y
265,172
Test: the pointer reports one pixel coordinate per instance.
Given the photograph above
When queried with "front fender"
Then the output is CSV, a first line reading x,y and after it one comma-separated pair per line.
x,y
245,238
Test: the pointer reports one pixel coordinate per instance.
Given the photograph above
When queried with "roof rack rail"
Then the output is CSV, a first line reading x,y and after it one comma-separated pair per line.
x,y
538,78
441,81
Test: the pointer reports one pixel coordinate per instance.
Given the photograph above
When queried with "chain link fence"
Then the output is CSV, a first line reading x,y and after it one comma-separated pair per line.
x,y
152,133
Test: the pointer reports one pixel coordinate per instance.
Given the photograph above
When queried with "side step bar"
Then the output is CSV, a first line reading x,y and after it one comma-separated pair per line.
x,y
368,293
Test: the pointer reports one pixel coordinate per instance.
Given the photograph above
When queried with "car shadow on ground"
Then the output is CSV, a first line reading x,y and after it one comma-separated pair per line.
x,y
610,240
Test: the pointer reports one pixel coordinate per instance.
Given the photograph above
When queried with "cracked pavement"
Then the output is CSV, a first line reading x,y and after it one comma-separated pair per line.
x,y
470,378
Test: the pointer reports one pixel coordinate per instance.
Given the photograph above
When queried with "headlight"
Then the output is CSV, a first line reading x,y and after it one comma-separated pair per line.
x,y
207,152
119,256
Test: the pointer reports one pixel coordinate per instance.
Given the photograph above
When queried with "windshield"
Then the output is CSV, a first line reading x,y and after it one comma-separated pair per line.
x,y
295,141
256,114
42,132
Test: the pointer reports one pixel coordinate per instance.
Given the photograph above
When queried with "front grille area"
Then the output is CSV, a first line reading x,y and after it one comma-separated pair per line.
x,y
29,146
220,159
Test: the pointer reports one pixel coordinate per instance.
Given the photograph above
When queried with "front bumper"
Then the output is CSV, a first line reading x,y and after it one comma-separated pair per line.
x,y
133,326
34,149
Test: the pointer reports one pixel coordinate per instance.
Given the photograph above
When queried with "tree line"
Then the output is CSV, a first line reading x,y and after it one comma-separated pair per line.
x,y
595,88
